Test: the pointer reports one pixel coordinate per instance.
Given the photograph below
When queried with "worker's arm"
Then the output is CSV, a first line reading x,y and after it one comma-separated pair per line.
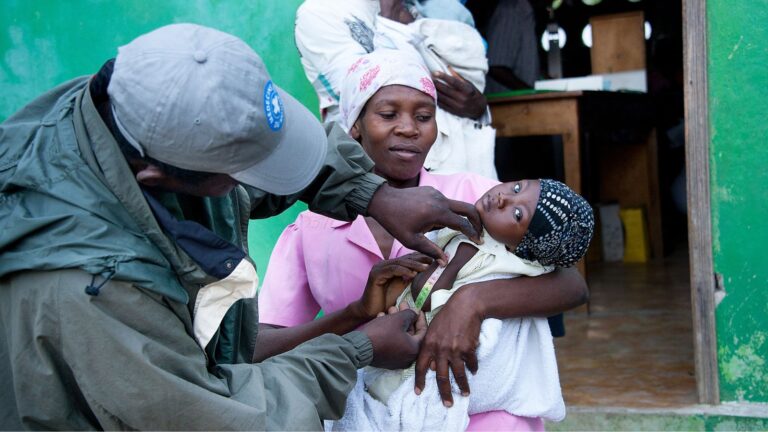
x,y
346,187
130,358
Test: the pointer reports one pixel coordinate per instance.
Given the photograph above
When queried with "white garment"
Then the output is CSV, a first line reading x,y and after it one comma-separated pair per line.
x,y
332,34
517,369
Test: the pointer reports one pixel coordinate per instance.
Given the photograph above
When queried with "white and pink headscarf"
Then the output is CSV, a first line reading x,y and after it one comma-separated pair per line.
x,y
377,69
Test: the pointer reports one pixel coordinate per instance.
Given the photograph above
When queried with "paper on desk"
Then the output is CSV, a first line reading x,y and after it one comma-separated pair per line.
x,y
630,80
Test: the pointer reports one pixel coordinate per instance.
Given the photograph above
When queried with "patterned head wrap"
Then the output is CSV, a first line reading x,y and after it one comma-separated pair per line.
x,y
382,67
561,227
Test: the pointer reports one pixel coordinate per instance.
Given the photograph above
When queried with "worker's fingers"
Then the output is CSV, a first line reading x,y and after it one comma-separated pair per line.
x,y
472,216
421,243
463,217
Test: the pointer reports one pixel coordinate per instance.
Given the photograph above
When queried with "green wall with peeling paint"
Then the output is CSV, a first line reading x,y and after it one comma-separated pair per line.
x,y
46,42
738,101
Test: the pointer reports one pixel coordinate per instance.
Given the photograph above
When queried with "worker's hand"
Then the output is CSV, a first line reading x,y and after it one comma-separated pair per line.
x,y
396,338
450,346
386,282
459,96
408,213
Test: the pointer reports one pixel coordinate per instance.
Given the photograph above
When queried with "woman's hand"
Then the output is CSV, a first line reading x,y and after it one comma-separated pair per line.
x,y
396,11
451,344
386,282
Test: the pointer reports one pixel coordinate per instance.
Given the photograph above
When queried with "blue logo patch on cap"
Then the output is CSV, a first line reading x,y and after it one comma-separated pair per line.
x,y
273,107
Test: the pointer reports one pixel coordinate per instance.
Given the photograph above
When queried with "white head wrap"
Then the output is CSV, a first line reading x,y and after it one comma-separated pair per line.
x,y
382,67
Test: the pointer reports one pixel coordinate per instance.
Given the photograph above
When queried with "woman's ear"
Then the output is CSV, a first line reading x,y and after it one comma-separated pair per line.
x,y
354,132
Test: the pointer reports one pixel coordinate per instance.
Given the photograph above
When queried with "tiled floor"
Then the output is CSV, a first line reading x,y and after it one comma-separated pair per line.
x,y
635,348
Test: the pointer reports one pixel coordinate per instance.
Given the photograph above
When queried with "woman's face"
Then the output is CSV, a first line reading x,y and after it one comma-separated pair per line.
x,y
397,129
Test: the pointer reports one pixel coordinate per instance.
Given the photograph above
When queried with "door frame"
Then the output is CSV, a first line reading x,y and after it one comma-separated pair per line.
x,y
697,140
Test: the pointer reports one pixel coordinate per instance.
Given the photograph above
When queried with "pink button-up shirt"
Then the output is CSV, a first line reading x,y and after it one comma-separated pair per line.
x,y
321,263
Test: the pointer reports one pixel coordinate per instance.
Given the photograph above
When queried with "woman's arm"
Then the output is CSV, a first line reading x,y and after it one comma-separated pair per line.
x,y
274,340
386,281
453,335
541,296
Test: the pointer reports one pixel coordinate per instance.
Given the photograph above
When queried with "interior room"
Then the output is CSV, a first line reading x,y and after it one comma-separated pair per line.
x,y
606,115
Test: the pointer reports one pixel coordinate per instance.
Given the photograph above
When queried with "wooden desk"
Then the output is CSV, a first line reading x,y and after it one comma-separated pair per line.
x,y
611,133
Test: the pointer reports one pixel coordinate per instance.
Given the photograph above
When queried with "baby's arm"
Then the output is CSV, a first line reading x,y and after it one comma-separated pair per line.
x,y
464,253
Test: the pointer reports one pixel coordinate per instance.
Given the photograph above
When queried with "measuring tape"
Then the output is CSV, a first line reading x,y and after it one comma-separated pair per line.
x,y
427,288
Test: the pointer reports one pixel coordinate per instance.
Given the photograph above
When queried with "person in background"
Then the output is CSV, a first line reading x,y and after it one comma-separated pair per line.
x,y
513,56
126,294
332,34
322,264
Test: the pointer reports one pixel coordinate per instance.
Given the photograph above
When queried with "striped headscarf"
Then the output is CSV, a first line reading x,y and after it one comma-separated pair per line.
x,y
382,67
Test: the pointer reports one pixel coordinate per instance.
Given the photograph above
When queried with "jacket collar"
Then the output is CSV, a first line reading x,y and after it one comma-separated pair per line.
x,y
101,152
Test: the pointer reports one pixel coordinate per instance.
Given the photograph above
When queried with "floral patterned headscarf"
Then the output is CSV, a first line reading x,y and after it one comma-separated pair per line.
x,y
382,67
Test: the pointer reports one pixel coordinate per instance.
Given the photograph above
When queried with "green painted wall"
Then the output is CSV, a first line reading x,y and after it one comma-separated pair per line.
x,y
738,77
46,42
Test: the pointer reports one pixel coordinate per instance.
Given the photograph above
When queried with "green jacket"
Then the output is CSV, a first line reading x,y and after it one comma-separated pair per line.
x,y
131,354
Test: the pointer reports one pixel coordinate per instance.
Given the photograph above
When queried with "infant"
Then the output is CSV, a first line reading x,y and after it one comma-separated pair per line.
x,y
532,227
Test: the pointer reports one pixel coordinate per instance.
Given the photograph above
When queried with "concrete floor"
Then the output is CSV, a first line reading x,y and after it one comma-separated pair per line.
x,y
635,347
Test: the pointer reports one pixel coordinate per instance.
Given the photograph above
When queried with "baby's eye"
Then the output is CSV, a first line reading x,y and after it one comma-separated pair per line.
x,y
387,115
424,117
518,215
516,188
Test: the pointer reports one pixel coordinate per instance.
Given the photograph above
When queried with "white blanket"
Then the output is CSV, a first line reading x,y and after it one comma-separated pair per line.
x,y
517,373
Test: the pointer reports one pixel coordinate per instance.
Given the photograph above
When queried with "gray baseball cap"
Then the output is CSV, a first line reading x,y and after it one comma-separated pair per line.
x,y
200,99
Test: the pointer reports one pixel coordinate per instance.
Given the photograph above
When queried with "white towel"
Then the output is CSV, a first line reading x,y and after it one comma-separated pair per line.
x,y
517,373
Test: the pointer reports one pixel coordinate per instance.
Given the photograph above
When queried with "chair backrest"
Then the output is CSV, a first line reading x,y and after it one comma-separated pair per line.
x,y
618,42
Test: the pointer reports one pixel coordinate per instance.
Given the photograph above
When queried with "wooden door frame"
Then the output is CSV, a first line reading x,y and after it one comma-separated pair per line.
x,y
698,192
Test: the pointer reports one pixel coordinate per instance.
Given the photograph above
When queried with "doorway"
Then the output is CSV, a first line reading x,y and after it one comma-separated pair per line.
x,y
647,339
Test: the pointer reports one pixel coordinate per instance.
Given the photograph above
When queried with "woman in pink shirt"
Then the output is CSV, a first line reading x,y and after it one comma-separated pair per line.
x,y
388,105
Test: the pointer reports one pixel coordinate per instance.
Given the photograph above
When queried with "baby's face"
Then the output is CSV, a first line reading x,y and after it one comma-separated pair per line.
x,y
506,210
